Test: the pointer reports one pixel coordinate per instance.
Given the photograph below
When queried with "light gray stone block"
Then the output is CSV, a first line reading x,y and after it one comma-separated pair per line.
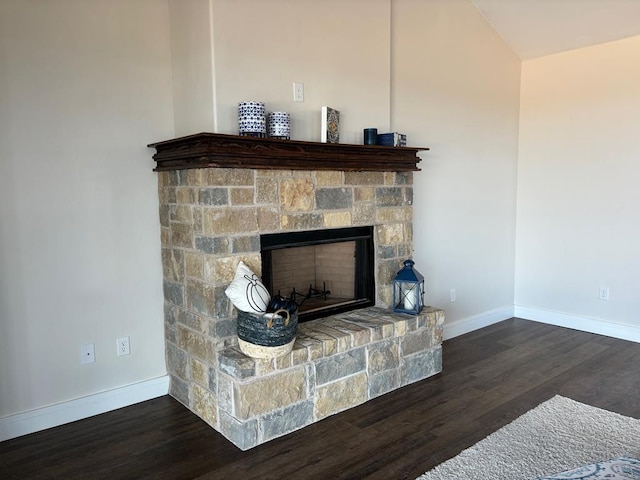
x,y
164,215
408,196
173,264
174,293
170,314
384,382
387,251
221,303
170,334
179,389
225,394
177,361
223,327
389,197
213,196
177,177
405,250
212,245
236,364
341,365
213,379
287,420
243,435
421,365
334,198
246,244
200,297
193,321
310,373
404,178
383,356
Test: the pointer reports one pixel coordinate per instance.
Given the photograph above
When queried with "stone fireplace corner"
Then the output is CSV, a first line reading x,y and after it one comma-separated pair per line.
x,y
212,218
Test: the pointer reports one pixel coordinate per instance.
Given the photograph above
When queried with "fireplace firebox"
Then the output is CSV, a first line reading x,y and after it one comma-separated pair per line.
x,y
324,271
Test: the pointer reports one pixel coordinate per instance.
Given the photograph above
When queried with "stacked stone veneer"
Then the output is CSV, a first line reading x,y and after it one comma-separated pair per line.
x,y
211,219
336,364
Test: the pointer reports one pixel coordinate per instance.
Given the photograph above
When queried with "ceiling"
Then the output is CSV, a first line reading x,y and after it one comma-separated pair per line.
x,y
534,28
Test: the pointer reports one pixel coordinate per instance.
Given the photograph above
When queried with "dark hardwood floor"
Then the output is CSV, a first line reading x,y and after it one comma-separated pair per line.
x,y
490,377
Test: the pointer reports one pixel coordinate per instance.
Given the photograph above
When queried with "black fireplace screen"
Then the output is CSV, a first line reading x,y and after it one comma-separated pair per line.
x,y
323,271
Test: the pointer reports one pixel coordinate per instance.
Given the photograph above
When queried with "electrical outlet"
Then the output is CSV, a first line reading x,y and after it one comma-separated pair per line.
x,y
604,293
452,295
298,92
88,353
123,346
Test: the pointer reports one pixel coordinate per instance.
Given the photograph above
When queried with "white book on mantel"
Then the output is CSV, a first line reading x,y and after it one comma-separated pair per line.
x,y
330,125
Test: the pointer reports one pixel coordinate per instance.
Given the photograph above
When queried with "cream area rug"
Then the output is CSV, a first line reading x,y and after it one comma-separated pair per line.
x,y
558,435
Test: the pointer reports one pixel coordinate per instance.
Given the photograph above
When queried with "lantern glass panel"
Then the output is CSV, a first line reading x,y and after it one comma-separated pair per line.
x,y
409,293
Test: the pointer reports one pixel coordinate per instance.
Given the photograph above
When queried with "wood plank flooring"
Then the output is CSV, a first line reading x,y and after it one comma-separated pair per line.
x,y
490,377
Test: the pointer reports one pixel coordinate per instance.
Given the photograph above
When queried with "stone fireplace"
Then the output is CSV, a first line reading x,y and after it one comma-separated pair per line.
x,y
212,216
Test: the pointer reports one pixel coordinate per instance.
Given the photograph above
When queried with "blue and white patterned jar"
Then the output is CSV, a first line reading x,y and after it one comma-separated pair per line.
x,y
279,125
251,119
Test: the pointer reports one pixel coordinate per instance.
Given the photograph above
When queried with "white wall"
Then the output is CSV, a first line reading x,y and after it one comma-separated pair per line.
x,y
192,66
578,196
84,86
79,238
339,49
455,88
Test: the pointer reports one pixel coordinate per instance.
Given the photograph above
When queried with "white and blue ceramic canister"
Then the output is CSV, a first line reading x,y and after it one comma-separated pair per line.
x,y
279,125
251,119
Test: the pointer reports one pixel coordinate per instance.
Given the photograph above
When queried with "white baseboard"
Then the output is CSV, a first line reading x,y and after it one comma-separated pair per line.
x,y
47,417
576,322
42,418
476,322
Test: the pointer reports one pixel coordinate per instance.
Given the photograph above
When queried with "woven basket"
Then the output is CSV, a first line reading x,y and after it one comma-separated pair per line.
x,y
266,335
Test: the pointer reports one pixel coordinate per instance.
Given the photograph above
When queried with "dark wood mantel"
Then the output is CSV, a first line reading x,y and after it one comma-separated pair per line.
x,y
214,150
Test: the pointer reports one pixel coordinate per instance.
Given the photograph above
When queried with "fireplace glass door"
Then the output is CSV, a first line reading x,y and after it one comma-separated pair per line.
x,y
324,271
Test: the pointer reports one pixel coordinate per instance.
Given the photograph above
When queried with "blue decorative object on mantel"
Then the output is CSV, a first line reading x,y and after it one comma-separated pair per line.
x,y
408,290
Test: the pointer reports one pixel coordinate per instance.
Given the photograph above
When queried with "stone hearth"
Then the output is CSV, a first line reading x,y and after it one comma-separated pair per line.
x,y
337,363
211,219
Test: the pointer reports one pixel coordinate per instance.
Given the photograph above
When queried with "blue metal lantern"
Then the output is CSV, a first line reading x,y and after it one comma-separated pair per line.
x,y
408,290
